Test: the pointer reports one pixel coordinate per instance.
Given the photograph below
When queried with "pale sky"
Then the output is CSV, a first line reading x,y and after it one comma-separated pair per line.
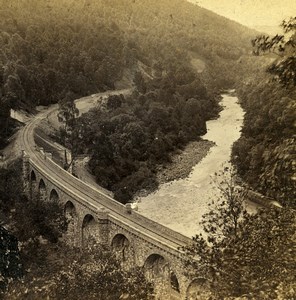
x,y
252,12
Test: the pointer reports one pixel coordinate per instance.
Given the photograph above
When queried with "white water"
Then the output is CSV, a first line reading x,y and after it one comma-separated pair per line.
x,y
180,204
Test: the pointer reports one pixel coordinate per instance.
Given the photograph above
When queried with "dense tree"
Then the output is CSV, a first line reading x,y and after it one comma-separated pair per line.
x,y
114,101
264,153
54,48
93,274
285,47
130,135
5,121
10,262
48,267
67,115
244,255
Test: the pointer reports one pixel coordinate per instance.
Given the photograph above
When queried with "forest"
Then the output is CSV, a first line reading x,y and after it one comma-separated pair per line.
x,y
265,153
36,263
58,54
129,136
176,58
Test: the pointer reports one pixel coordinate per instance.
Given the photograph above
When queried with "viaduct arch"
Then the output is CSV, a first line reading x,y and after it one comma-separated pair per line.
x,y
33,185
54,196
42,192
95,218
123,249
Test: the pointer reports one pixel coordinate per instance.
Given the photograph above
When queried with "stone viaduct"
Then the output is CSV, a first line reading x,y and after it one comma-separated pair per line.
x,y
94,216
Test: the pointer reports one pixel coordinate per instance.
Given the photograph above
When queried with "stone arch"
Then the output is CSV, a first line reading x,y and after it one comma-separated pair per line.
x,y
158,271
123,250
54,196
174,283
198,289
71,219
89,233
33,176
33,184
154,265
70,210
42,190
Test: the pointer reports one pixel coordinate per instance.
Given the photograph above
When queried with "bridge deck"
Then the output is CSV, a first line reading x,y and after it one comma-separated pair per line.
x,y
94,199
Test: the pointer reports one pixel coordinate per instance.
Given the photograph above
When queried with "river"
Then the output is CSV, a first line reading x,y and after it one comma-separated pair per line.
x,y
181,203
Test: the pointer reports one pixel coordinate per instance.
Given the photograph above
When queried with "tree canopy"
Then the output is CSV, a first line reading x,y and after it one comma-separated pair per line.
x,y
244,255
44,264
284,46
83,47
10,261
264,154
129,136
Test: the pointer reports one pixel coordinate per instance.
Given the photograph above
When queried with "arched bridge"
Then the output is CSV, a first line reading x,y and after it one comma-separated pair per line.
x,y
94,216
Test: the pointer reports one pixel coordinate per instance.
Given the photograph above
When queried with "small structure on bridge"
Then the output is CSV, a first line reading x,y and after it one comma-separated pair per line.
x,y
95,218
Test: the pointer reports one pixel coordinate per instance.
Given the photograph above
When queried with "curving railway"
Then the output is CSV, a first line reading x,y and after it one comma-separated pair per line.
x,y
96,218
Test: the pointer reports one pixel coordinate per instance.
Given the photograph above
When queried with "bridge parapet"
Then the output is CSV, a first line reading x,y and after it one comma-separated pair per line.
x,y
94,215
94,199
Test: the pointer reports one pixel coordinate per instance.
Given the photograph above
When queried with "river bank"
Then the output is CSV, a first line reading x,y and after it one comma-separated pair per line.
x,y
180,204
181,165
185,185
184,161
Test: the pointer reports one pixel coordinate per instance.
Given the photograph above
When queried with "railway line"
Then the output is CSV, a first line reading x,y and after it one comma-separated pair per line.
x,y
90,197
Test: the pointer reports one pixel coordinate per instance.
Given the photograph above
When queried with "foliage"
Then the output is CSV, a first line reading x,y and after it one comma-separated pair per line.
x,y
93,274
32,222
82,47
67,114
242,254
132,134
285,47
63,50
114,101
10,263
100,276
228,210
7,125
10,188
46,219
264,154
50,268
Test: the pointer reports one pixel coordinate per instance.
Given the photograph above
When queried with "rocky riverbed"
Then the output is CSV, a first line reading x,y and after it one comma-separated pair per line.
x,y
181,165
184,161
180,204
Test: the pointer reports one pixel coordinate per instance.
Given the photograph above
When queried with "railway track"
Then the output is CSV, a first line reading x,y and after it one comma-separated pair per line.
x,y
95,200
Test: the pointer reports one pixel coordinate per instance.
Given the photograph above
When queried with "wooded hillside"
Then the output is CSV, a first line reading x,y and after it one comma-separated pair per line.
x,y
265,153
178,54
51,48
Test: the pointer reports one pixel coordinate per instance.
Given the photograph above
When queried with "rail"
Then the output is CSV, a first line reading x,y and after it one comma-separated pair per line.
x,y
94,199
